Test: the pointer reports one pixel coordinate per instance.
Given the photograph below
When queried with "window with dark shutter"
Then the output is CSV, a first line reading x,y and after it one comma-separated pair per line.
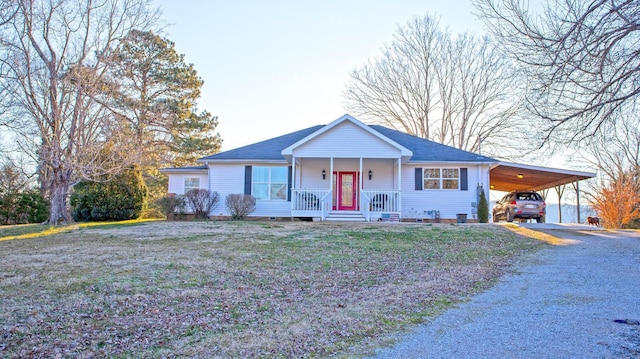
x,y
290,175
464,182
418,179
247,179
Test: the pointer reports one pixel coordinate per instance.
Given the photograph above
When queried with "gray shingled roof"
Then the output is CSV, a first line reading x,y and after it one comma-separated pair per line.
x,y
427,151
265,150
423,150
187,168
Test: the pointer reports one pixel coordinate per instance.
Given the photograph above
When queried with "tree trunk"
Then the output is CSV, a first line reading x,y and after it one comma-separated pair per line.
x,y
59,191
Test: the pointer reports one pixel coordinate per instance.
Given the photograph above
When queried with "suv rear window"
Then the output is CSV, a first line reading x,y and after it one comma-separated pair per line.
x,y
528,196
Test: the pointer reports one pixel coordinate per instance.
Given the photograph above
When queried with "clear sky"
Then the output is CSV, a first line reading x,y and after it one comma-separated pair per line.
x,y
272,67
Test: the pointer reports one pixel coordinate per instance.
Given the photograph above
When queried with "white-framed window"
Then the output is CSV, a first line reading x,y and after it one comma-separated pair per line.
x,y
431,178
450,178
269,183
191,183
441,178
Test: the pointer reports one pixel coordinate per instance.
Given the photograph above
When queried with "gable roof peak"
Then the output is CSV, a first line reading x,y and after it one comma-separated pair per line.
x,y
346,118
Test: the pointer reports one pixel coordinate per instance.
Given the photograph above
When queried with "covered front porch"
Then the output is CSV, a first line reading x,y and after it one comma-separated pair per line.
x,y
359,188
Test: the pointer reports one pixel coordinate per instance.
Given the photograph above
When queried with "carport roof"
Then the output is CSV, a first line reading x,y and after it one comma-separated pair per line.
x,y
506,176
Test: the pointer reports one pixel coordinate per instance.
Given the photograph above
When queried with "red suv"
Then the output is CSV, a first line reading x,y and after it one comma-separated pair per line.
x,y
520,204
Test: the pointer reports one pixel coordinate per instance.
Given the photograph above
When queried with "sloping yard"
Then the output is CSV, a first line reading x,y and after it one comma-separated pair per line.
x,y
238,289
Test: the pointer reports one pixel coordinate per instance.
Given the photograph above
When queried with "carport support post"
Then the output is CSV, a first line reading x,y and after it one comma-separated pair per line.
x,y
576,187
560,192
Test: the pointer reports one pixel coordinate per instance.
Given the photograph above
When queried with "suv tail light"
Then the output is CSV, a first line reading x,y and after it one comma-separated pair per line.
x,y
513,203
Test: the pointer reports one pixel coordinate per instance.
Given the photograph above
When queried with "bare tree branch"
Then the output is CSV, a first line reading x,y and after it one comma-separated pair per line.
x,y
581,57
51,61
459,90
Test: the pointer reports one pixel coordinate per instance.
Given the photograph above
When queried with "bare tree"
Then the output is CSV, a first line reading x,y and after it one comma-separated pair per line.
x,y
457,90
618,152
581,57
51,67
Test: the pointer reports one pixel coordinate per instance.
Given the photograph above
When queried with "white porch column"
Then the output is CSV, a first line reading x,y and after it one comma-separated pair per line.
x,y
331,178
293,173
400,185
399,174
293,183
360,180
360,184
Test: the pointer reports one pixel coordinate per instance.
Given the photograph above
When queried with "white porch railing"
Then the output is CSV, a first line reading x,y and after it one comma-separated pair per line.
x,y
310,202
375,201
317,202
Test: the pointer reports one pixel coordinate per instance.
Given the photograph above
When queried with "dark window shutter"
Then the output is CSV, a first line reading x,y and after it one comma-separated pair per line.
x,y
290,177
418,179
464,182
248,171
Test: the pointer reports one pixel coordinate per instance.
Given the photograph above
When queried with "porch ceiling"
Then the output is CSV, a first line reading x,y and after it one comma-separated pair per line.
x,y
507,177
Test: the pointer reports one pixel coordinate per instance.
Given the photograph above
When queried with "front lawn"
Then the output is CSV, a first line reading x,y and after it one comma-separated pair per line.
x,y
238,289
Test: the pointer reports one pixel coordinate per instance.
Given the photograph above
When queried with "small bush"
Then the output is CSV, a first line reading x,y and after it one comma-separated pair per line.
x,y
483,209
202,202
240,205
172,204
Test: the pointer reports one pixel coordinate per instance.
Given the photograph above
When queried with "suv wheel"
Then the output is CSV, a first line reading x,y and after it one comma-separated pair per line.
x,y
495,218
508,215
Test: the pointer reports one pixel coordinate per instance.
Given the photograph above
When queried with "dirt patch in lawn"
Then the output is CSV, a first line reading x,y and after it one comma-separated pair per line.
x,y
238,289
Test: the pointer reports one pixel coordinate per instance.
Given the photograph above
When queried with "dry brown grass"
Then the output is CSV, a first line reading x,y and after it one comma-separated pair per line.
x,y
238,289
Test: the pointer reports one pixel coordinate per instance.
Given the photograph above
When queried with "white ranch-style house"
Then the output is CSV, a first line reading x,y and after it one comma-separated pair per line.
x,y
345,170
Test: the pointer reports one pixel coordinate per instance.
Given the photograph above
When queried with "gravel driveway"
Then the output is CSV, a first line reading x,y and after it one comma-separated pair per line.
x,y
579,300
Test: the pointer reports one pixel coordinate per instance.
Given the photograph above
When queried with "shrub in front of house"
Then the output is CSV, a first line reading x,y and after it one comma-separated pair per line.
x,y
240,205
201,201
118,198
172,204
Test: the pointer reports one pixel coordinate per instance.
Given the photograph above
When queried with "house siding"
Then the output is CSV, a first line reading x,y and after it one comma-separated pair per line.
x,y
176,181
346,140
229,178
416,203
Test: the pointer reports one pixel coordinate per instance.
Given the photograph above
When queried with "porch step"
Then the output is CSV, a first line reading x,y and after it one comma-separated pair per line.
x,y
345,216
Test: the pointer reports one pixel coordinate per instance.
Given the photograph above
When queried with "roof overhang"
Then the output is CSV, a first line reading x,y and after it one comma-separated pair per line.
x,y
506,176
193,169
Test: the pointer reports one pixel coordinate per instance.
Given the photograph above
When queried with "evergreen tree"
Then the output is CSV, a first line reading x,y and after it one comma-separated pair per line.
x,y
120,197
483,209
153,92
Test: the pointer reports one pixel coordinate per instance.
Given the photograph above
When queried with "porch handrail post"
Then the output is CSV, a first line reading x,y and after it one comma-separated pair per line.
x,y
364,205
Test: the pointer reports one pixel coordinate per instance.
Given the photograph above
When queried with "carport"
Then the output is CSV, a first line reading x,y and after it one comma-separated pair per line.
x,y
507,177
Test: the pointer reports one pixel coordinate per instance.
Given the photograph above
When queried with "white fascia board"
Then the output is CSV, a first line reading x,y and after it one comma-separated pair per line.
x,y
545,169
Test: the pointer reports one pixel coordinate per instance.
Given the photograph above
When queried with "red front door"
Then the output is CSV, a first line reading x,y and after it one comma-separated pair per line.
x,y
346,191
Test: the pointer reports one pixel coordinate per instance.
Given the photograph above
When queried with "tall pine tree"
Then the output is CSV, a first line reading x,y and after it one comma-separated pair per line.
x,y
153,93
